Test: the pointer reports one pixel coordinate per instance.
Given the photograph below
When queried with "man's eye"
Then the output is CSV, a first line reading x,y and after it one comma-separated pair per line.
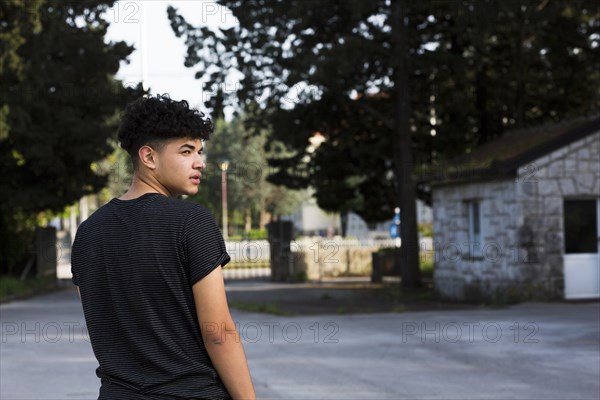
x,y
186,151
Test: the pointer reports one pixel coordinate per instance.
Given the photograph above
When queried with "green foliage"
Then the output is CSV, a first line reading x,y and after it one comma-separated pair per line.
x,y
426,261
17,18
300,276
342,310
386,250
426,264
477,68
247,186
118,168
59,111
17,233
268,308
248,265
13,286
257,234
399,308
426,229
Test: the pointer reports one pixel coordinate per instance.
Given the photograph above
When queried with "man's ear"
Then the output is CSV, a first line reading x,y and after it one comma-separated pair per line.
x,y
147,156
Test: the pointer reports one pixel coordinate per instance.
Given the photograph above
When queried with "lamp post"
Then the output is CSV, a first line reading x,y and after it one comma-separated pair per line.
x,y
315,141
224,164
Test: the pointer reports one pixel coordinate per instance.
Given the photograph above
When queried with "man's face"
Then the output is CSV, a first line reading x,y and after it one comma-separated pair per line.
x,y
179,166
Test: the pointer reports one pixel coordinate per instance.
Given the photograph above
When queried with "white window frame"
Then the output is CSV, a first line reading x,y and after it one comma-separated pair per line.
x,y
475,228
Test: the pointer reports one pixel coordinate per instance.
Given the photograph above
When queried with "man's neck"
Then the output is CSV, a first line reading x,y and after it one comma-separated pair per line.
x,y
140,186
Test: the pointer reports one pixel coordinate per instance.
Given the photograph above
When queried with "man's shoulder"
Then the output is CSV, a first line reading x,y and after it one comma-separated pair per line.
x,y
187,209
174,208
183,204
196,210
94,216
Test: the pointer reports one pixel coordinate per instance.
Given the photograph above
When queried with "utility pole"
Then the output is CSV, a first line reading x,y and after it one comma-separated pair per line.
x,y
224,166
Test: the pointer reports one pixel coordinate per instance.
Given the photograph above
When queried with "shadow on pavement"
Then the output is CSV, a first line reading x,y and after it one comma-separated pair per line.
x,y
334,296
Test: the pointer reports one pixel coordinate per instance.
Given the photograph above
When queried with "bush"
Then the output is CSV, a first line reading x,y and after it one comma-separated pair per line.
x,y
253,234
426,265
17,235
257,234
426,230
426,262
12,285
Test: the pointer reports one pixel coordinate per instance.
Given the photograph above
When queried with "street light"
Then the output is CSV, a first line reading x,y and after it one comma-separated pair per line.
x,y
315,141
224,165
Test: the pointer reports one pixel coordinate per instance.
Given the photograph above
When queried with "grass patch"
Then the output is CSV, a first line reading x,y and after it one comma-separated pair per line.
x,y
247,265
300,276
393,292
426,266
326,296
342,310
11,285
399,308
425,229
267,308
399,294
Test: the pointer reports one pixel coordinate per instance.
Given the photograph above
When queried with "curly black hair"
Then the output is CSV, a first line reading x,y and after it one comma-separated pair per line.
x,y
154,121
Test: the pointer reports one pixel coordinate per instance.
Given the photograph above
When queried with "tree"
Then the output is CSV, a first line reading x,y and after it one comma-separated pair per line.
x,y
248,191
16,17
475,68
60,107
500,65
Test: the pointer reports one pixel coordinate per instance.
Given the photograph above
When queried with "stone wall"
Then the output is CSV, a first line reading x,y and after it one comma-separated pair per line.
x,y
328,259
522,249
460,272
570,172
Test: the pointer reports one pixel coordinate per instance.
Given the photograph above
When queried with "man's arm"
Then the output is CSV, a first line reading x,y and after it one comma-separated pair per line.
x,y
221,339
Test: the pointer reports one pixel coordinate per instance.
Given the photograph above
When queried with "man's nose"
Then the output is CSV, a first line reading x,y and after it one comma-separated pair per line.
x,y
201,164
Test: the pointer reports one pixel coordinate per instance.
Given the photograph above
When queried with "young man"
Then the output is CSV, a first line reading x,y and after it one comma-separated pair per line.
x,y
148,270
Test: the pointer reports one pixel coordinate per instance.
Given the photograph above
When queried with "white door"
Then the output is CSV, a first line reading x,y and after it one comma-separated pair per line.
x,y
582,245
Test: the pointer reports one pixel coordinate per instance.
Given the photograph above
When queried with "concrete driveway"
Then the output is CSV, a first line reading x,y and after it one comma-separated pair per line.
x,y
528,351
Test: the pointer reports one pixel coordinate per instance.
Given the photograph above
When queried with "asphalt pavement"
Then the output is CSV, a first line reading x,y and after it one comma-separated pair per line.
x,y
526,351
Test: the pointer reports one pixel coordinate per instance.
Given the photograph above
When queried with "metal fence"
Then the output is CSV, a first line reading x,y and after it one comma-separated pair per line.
x,y
258,251
250,259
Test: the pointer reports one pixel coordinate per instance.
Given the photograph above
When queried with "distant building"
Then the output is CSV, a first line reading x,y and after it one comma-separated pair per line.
x,y
519,216
310,220
424,216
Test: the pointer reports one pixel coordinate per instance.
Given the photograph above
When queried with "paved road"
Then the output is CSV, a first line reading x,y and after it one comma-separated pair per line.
x,y
529,351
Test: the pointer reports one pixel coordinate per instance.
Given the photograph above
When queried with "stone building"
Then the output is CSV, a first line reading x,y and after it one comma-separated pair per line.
x,y
518,218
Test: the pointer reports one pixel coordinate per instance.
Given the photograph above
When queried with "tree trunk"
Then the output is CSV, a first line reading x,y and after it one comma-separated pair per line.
x,y
248,221
263,219
344,223
409,251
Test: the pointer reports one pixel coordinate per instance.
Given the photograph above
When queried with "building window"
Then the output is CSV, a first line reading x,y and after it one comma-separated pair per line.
x,y
475,232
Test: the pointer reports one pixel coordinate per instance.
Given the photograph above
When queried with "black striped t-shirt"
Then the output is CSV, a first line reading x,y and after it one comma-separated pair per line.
x,y
135,262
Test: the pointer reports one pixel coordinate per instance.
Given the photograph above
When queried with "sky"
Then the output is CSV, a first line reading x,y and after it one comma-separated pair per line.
x,y
159,55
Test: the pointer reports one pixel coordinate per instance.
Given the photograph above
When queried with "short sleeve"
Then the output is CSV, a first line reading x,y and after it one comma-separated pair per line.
x,y
205,247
